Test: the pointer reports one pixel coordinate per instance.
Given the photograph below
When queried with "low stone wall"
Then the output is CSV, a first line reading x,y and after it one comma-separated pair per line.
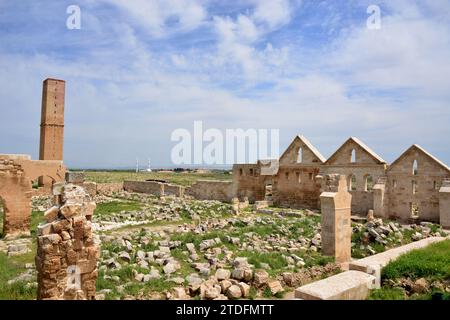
x,y
170,189
108,188
153,187
373,264
211,190
349,285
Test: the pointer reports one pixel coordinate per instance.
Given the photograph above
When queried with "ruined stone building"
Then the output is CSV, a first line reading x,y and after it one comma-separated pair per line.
x,y
415,187
19,172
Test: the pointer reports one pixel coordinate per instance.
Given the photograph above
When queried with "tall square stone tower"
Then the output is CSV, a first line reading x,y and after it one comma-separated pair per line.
x,y
52,120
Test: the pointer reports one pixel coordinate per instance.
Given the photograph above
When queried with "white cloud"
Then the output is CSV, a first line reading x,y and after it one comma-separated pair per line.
x,y
164,17
274,12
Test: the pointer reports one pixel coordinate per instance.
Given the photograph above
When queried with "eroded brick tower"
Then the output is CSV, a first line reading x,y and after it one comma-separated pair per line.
x,y
52,122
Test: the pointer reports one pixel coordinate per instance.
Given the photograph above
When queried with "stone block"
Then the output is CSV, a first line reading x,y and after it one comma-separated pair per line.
x,y
349,285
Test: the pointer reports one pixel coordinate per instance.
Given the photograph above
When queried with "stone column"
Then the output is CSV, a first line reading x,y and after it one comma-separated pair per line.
x,y
444,204
67,253
336,218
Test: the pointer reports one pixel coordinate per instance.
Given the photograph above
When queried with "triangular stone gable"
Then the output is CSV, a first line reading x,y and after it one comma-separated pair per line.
x,y
364,155
426,163
309,154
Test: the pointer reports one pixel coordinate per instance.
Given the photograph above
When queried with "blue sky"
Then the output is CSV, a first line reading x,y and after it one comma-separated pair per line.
x,y
137,70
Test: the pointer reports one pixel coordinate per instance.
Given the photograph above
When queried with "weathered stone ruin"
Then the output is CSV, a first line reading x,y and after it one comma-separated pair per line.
x,y
17,173
336,218
412,189
67,251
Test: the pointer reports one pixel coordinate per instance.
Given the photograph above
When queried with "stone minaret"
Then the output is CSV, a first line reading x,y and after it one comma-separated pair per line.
x,y
52,120
52,124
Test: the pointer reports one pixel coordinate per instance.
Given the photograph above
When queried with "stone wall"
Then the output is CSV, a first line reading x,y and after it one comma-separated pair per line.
x,y
296,187
108,188
67,252
414,193
153,187
211,190
149,187
15,193
248,182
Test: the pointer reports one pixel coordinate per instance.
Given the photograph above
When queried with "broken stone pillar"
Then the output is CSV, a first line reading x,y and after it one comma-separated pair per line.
x,y
336,218
67,253
444,204
75,178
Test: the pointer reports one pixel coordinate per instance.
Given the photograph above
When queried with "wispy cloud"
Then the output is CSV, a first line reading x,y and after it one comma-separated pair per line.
x,y
139,69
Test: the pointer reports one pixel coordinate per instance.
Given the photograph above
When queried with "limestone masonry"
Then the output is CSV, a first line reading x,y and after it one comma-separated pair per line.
x,y
414,188
67,252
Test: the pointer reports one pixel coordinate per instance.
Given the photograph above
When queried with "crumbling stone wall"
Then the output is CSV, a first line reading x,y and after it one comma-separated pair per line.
x,y
413,192
108,188
17,172
295,182
211,190
365,164
248,182
15,193
67,252
153,187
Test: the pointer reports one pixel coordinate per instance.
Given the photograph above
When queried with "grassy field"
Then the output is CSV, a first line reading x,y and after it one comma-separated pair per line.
x,y
11,267
431,263
180,178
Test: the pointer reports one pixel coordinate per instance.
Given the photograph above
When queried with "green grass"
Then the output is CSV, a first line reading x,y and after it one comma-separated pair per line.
x,y
181,178
116,207
274,259
387,294
432,261
11,267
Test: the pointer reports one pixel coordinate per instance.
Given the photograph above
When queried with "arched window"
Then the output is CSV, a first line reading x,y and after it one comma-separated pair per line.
x,y
352,183
251,171
368,183
415,170
353,156
300,155
299,177
414,187
286,174
240,172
